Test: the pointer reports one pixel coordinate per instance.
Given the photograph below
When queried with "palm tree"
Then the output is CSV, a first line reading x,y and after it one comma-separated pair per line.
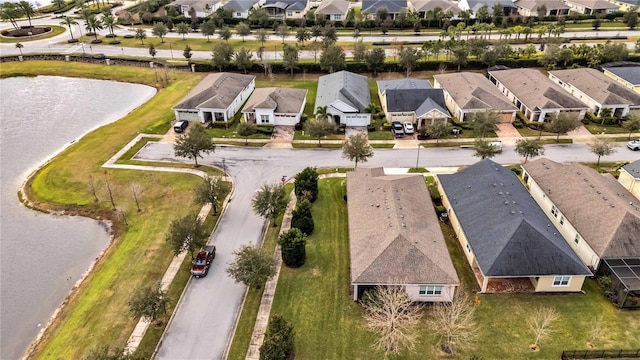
x,y
19,47
322,113
94,24
69,21
27,10
110,21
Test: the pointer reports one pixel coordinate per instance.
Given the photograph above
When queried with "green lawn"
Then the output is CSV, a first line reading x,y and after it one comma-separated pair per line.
x,y
597,129
329,325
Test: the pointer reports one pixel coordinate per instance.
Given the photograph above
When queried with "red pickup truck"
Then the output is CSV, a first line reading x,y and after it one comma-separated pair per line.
x,y
203,261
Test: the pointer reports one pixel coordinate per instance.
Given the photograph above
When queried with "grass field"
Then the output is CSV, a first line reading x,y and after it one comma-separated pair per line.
x,y
597,129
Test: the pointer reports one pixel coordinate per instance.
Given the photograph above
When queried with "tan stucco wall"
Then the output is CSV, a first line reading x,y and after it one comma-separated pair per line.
x,y
545,284
622,81
629,183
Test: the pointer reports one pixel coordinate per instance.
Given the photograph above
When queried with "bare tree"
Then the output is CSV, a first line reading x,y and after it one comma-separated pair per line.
x,y
541,323
597,329
602,147
136,189
92,189
454,322
106,178
390,313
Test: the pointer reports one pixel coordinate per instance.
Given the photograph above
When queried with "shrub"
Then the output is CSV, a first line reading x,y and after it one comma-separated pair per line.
x,y
129,36
371,128
306,184
292,247
278,340
302,219
435,195
298,126
386,126
604,282
517,123
265,129
441,210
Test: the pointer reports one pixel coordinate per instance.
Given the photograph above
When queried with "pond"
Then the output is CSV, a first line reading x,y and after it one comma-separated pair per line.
x,y
42,256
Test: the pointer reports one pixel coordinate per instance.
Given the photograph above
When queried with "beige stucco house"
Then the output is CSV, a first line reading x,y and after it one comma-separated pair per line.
x,y
590,7
467,92
628,76
395,237
505,236
630,178
276,106
532,7
535,95
594,213
218,97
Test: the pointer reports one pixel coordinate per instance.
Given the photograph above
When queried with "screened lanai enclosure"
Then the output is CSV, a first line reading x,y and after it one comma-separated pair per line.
x,y
624,273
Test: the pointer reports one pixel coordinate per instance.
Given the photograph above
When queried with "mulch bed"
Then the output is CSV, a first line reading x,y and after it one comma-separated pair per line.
x,y
25,30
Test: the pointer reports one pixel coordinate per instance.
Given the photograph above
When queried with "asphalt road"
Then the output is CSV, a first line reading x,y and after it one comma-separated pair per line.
x,y
204,321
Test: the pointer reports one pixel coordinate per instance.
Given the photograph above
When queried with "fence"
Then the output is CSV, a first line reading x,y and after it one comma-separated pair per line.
x,y
600,354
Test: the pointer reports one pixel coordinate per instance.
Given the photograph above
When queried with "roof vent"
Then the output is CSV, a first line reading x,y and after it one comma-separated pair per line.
x,y
612,205
468,186
508,193
506,202
512,212
630,202
402,216
377,205
390,225
585,179
605,198
404,225
599,192
520,211
494,184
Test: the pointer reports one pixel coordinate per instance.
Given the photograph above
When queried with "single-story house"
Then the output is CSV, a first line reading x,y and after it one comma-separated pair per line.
x,y
395,237
412,100
507,6
346,95
394,7
595,214
597,90
505,236
422,7
535,95
277,106
467,92
626,73
630,178
626,5
203,8
590,7
286,9
240,8
334,10
531,7
218,97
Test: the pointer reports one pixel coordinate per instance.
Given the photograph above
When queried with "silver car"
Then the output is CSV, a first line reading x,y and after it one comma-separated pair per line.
x,y
634,145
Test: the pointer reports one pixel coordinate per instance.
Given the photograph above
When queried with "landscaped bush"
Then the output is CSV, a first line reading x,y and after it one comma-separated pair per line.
x,y
266,129
279,341
292,247
306,184
129,36
386,126
302,219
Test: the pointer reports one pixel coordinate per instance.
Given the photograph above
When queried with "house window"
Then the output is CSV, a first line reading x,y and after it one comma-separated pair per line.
x,y
561,220
526,178
337,17
238,14
577,239
554,211
264,119
561,280
468,248
289,13
430,290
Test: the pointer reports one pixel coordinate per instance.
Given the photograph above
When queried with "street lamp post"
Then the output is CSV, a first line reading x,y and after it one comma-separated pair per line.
x,y
418,157
171,49
224,169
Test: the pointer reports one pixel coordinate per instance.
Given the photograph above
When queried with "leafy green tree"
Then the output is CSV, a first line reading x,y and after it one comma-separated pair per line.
x,y
292,247
306,184
290,57
69,21
160,30
242,29
270,201
439,130
193,144
602,147
187,234
484,149
252,266
562,123
408,58
243,60
149,302
187,53
357,148
318,128
302,218
140,34
152,51
460,55
302,35
261,36
359,51
595,23
279,340
106,352
222,54
631,18
211,191
632,124
246,129
183,29
10,12
282,31
484,121
332,59
224,33
329,34
93,24
375,60
208,29
110,22
529,148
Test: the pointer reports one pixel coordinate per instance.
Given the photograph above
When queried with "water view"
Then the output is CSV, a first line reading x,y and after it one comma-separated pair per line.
x,y
42,256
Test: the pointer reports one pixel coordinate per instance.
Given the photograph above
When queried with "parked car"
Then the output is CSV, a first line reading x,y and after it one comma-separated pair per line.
x,y
180,126
397,129
634,145
456,131
408,127
203,260
497,145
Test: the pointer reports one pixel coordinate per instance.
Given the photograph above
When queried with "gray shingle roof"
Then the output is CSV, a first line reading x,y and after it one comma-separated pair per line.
x,y
393,6
535,90
594,4
333,7
198,5
508,233
412,95
402,84
533,5
394,234
605,214
477,4
598,86
215,91
348,87
286,4
281,100
428,5
633,169
240,5
629,73
472,91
